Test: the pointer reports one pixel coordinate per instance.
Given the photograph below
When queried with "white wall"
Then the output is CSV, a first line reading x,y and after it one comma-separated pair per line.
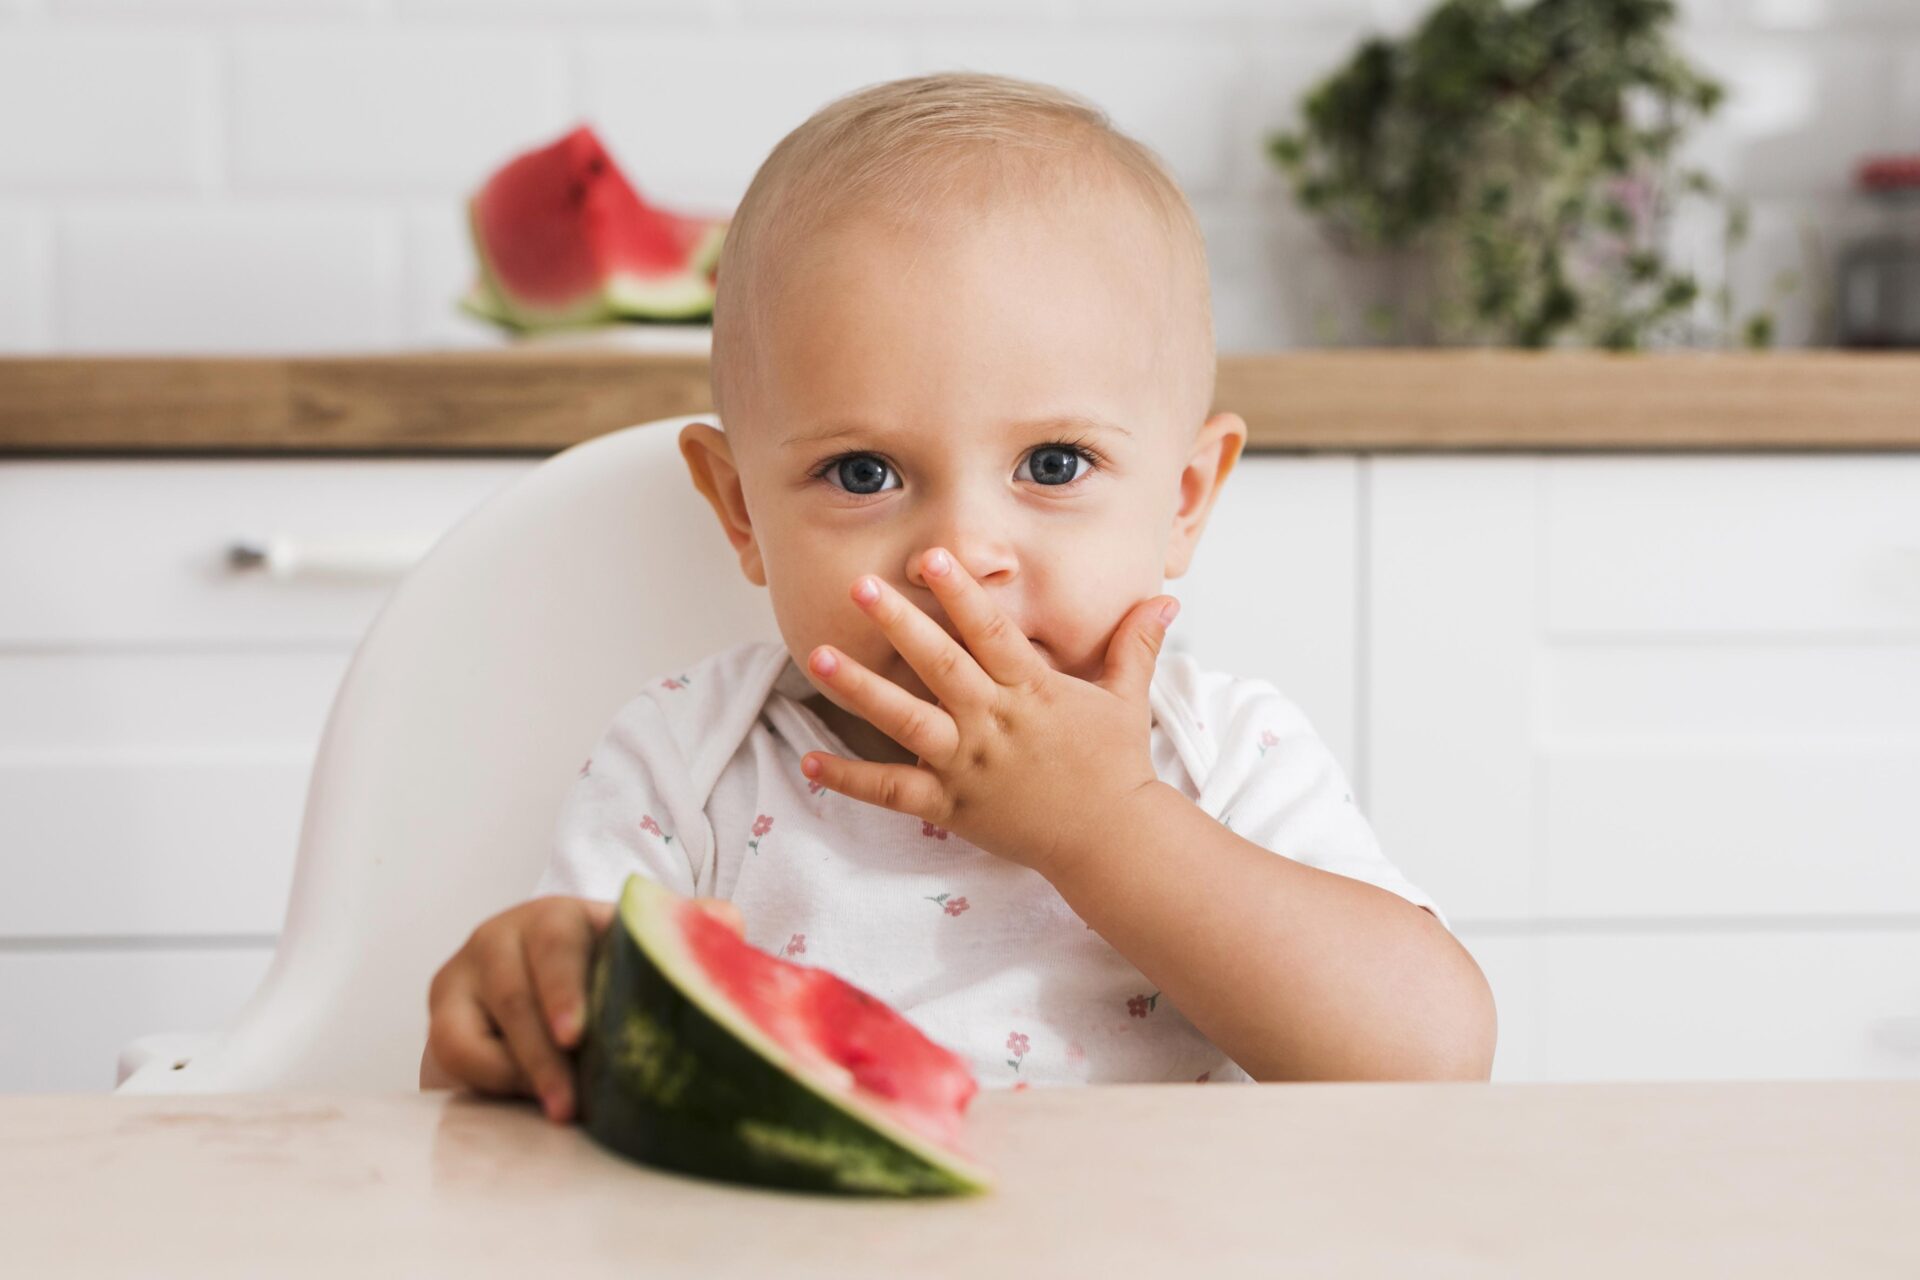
x,y
287,174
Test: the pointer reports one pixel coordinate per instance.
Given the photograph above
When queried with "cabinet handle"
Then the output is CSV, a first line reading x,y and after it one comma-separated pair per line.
x,y
1901,1035
282,557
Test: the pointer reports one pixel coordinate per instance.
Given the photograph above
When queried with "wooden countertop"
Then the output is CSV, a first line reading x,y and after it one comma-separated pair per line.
x,y
1523,1180
539,400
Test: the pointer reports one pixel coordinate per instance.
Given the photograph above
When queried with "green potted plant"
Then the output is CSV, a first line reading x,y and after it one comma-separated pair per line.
x,y
1522,161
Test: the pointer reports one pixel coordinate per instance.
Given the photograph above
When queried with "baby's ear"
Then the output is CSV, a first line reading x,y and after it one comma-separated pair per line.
x,y
710,460
1215,451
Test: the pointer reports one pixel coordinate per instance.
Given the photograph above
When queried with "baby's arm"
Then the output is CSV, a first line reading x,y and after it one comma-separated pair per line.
x,y
1293,972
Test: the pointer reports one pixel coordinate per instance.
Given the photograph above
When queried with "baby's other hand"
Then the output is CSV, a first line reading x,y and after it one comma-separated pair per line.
x,y
506,1010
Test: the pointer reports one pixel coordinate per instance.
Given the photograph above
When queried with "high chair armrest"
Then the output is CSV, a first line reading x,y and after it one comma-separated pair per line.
x,y
145,1063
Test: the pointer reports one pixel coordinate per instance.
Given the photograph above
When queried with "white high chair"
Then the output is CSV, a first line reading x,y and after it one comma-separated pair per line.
x,y
465,714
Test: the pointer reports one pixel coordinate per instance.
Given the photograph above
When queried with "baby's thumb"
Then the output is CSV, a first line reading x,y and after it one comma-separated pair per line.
x,y
1135,647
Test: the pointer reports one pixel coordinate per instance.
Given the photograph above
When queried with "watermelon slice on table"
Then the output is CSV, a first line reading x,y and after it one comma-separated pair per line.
x,y
564,240
705,1055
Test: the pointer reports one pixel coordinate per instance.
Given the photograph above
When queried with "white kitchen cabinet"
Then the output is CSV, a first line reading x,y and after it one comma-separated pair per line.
x,y
1617,706
1647,727
1272,588
159,712
1785,1003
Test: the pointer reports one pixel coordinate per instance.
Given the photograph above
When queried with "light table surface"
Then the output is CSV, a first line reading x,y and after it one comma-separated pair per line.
x,y
1754,1179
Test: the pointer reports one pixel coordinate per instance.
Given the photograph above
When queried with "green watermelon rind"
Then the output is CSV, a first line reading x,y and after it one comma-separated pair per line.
x,y
672,1075
686,296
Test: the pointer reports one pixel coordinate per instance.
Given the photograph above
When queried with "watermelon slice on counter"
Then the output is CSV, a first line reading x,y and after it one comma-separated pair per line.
x,y
564,240
704,1055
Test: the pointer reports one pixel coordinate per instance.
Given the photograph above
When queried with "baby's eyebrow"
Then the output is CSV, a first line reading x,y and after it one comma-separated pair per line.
x,y
1034,426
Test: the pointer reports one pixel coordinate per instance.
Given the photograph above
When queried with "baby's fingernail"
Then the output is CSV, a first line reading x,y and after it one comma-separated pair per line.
x,y
1167,612
810,766
938,564
566,1026
824,662
867,591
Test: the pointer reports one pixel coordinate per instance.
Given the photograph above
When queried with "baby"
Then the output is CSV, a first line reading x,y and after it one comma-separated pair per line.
x,y
963,352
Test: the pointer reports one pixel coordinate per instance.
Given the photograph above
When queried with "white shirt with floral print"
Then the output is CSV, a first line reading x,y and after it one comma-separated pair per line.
x,y
697,784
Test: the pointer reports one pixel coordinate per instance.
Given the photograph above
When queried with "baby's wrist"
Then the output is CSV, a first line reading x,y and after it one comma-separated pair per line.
x,y
1099,840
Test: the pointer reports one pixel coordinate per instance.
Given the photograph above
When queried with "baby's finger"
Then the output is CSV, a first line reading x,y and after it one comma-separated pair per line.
x,y
506,985
1006,655
1135,647
904,788
559,949
462,1041
936,657
914,723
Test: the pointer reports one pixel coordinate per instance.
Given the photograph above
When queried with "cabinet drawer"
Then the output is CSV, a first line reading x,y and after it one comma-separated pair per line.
x,y
1827,1004
1805,545
130,552
70,1012
155,794
1614,687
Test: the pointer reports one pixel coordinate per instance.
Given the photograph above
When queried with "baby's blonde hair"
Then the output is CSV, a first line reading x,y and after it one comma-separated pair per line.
x,y
902,149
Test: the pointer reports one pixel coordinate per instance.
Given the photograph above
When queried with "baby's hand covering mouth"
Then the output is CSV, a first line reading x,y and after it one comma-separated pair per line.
x,y
1002,733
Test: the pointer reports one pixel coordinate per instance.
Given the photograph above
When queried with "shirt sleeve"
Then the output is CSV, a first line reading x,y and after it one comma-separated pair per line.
x,y
618,817
1276,783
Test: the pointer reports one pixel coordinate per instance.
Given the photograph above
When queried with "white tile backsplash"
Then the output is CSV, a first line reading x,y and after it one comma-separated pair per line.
x,y
440,269
691,115
286,174
232,277
1809,15
1798,112
106,110
1175,94
335,111
252,10
1278,77
26,284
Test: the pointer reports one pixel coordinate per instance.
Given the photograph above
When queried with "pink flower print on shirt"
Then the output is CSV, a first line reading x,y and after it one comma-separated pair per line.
x,y
1017,1046
761,825
586,766
652,828
675,682
796,945
933,832
1076,1052
952,905
1019,1085
1267,739
1141,1006
815,786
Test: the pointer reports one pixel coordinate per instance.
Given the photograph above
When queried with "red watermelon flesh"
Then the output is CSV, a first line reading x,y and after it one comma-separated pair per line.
x,y
821,1018
564,239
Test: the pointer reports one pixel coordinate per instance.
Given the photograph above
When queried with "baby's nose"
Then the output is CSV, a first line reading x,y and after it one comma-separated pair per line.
x,y
986,561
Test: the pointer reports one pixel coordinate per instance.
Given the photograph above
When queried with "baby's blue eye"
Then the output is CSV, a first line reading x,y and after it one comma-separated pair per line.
x,y
1053,464
863,473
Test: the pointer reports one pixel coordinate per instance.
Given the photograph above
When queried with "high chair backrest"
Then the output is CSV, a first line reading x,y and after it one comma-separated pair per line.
x,y
465,714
